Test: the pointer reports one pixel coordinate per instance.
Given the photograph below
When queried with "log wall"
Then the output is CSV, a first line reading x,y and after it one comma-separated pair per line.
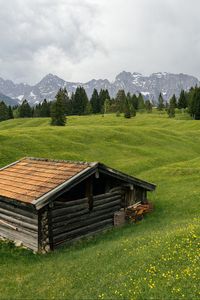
x,y
19,223
75,219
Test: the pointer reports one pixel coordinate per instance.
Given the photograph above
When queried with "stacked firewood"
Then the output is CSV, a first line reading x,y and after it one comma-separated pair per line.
x,y
137,211
45,244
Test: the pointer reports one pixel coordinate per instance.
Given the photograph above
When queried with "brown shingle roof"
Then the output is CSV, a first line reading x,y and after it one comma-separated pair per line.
x,y
30,178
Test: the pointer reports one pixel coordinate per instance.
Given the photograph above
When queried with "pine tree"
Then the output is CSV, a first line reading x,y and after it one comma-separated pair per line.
x,y
135,101
45,109
141,104
148,106
191,106
127,109
103,95
37,111
95,102
58,117
120,100
3,111
107,106
133,110
182,101
196,104
67,102
80,101
173,101
171,108
88,110
25,110
10,113
160,103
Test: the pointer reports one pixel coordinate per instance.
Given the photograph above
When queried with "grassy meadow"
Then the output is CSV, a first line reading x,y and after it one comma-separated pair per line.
x,y
157,258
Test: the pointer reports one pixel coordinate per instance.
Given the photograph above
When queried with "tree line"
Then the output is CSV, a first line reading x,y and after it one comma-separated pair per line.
x,y
78,103
187,102
101,103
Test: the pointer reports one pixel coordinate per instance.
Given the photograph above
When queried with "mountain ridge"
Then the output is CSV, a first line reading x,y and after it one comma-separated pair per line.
x,y
150,86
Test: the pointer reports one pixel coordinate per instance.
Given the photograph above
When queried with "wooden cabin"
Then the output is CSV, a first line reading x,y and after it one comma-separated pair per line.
x,y
46,203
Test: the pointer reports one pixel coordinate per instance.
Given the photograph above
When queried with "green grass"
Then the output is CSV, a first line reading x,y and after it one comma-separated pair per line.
x,y
156,259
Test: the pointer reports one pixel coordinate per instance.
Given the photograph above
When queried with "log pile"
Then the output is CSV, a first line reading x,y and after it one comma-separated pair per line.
x,y
74,219
44,233
137,211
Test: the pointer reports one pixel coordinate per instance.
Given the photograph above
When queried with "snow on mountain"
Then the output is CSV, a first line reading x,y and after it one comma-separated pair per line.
x,y
150,86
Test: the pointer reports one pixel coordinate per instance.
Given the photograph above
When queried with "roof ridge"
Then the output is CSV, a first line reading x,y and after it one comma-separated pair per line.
x,y
60,161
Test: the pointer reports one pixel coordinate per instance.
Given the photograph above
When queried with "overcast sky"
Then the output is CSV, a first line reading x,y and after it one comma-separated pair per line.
x,y
83,39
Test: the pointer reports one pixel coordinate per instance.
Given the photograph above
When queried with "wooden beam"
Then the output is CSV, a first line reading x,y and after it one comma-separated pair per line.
x,y
94,232
80,223
82,230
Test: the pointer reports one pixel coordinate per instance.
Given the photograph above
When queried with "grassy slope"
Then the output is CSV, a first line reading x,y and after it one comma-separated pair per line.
x,y
157,258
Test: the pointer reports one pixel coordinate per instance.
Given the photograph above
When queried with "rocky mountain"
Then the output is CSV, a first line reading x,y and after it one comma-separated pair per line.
x,y
150,86
8,100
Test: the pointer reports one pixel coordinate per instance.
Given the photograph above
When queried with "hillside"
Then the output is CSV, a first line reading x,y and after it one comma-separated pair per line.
x,y
156,259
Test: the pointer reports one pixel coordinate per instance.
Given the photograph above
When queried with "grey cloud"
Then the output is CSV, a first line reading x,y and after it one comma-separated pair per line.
x,y
29,28
83,39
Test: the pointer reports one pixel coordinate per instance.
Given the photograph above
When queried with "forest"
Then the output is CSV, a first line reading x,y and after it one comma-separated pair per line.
x,y
101,103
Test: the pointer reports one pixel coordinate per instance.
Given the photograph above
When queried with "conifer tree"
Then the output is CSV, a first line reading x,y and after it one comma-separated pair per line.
x,y
173,101
129,98
182,101
107,106
135,101
45,110
191,106
196,104
148,106
67,102
88,110
160,103
141,104
25,110
127,109
103,95
171,108
120,100
58,117
80,101
37,111
10,113
95,102
133,110
3,111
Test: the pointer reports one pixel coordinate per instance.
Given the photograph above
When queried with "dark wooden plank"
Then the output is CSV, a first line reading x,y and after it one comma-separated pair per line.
x,y
82,236
27,240
82,230
85,214
67,226
110,204
25,210
106,200
18,222
69,215
106,195
75,208
18,216
70,203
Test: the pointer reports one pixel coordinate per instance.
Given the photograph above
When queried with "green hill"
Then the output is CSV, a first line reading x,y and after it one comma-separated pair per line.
x,y
155,259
